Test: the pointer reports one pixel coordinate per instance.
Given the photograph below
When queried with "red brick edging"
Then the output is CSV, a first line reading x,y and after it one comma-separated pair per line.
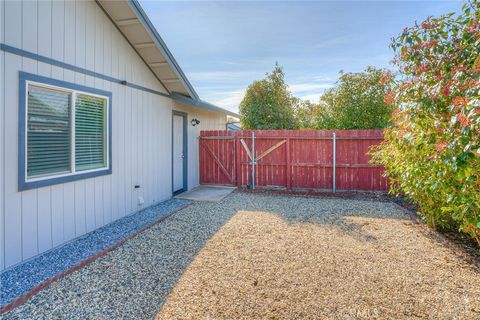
x,y
27,295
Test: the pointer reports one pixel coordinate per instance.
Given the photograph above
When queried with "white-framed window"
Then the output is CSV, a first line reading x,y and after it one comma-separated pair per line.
x,y
66,132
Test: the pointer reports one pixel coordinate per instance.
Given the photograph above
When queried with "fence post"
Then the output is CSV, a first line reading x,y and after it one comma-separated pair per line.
x,y
253,160
334,156
289,166
200,159
238,159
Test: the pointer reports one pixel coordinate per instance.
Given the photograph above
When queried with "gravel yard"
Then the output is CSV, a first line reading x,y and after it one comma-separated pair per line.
x,y
255,256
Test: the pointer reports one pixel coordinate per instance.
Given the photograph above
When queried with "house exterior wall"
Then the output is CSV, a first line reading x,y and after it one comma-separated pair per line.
x,y
79,33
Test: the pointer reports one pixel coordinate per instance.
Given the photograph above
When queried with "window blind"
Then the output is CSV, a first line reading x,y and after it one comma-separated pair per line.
x,y
90,121
48,131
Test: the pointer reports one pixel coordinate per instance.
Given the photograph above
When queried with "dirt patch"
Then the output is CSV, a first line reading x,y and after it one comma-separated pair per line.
x,y
345,262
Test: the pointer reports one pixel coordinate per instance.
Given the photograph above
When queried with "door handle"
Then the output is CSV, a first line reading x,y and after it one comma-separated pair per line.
x,y
182,156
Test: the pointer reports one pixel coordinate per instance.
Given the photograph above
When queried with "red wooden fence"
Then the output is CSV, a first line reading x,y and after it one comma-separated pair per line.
x,y
293,159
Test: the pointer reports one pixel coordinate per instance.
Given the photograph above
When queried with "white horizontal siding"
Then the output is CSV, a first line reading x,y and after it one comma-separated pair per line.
x,y
79,33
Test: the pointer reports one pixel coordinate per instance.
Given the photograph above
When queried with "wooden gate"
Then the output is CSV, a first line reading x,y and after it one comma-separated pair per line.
x,y
291,159
217,154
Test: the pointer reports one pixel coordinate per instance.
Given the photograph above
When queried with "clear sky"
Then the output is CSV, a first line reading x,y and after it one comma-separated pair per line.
x,y
224,46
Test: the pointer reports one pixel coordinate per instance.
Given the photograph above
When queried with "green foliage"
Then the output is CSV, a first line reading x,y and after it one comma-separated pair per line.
x,y
268,104
356,102
304,112
432,154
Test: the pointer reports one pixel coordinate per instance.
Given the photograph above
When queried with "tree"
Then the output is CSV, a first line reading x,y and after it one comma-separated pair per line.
x,y
268,104
304,112
356,102
431,154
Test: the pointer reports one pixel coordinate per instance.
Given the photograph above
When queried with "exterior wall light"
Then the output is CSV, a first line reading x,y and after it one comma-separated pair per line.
x,y
195,121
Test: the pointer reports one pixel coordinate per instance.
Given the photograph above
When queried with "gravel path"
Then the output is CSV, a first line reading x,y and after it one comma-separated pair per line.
x,y
22,278
258,256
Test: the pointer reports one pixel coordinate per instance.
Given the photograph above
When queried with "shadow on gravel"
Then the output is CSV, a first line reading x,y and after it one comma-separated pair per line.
x,y
134,279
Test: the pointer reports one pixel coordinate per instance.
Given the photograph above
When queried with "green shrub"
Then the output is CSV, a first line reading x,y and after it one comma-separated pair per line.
x,y
431,154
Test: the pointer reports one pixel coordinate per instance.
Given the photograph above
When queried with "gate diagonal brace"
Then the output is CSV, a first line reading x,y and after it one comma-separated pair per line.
x,y
244,144
263,154
217,161
266,152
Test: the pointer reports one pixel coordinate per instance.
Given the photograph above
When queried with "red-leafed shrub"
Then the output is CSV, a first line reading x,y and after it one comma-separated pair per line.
x,y
431,154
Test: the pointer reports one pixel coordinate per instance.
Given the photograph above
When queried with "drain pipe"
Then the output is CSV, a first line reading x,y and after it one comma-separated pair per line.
x,y
253,160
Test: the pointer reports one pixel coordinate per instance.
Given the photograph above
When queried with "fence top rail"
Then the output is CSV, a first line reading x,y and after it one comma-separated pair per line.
x,y
217,137
293,137
294,132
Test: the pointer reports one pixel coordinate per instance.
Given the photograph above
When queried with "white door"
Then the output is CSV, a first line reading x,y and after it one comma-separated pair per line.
x,y
178,154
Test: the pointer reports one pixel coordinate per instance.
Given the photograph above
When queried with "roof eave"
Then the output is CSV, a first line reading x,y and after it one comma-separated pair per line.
x,y
202,104
187,94
162,46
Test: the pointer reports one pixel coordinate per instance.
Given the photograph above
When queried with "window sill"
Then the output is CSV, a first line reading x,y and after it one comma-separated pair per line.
x,y
27,185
